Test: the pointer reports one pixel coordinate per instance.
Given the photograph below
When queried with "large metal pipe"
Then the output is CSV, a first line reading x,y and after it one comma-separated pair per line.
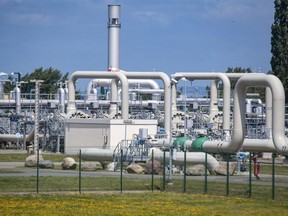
x,y
226,91
13,138
96,154
98,74
278,104
17,93
113,50
61,95
213,99
192,158
167,92
132,83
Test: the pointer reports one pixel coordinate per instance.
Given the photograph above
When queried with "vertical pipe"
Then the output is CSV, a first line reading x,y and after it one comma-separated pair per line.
x,y
206,174
152,183
164,166
273,175
227,179
113,50
213,99
250,174
185,151
121,172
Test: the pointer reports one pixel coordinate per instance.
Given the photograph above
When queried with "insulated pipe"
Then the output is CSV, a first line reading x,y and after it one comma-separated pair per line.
x,y
12,137
268,102
96,154
226,91
192,158
213,99
278,104
17,93
132,83
98,74
61,95
237,139
167,92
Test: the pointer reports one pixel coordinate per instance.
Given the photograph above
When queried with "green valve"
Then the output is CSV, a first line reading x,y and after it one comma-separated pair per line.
x,y
180,142
197,144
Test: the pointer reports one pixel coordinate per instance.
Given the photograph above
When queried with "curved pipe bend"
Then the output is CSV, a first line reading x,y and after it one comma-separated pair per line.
x,y
278,104
98,74
210,76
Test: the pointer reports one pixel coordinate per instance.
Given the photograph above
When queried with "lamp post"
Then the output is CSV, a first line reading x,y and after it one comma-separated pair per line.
x,y
19,75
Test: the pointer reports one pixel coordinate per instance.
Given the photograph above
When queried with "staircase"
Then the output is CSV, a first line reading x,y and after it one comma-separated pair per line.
x,y
133,151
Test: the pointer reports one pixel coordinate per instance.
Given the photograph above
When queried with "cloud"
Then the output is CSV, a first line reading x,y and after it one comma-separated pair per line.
x,y
30,18
159,17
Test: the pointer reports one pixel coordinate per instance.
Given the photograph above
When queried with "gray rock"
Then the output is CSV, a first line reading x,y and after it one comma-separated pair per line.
x,y
158,170
196,170
91,166
135,168
69,163
31,160
222,169
46,164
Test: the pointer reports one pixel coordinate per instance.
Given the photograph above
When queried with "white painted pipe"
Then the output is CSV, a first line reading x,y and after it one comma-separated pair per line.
x,y
192,158
278,104
12,137
213,99
98,74
226,91
132,83
97,154
61,95
17,93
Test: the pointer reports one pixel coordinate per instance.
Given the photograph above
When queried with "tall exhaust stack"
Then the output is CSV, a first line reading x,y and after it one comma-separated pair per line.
x,y
113,51
113,37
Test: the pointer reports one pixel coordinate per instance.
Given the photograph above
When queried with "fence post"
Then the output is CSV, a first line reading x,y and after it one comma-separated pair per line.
x,y
250,174
121,172
164,166
227,178
273,175
37,188
206,174
80,159
152,183
184,191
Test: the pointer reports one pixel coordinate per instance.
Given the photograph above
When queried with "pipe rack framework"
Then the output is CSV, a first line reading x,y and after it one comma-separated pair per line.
x,y
98,74
211,76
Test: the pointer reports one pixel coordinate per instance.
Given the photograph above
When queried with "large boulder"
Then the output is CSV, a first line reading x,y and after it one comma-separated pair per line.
x,y
46,164
135,168
31,160
91,166
222,169
196,170
157,168
69,164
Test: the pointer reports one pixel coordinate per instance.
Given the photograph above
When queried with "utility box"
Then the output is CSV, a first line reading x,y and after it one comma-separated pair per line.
x,y
102,133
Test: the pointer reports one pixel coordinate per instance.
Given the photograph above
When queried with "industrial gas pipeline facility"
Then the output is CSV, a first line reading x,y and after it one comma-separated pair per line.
x,y
113,117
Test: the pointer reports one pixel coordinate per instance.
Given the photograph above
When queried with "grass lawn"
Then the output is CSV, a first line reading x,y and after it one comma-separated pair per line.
x,y
157,203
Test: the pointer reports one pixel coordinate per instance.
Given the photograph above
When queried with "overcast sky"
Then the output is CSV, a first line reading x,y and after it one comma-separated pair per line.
x,y
165,35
